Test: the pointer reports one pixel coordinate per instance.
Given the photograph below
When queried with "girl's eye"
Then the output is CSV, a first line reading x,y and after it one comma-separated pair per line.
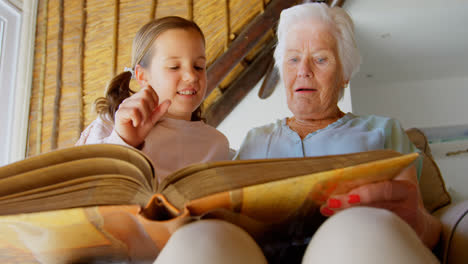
x,y
199,68
174,67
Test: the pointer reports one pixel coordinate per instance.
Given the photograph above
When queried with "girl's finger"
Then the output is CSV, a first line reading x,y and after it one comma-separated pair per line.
x,y
154,95
144,105
149,94
160,111
145,94
129,115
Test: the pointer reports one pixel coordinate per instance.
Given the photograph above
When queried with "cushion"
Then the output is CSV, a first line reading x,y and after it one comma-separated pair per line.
x,y
431,183
453,241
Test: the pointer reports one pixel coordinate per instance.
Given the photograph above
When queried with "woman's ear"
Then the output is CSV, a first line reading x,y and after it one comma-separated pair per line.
x,y
141,75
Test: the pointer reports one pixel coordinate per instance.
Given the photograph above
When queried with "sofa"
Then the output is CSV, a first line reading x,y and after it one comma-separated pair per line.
x,y
453,244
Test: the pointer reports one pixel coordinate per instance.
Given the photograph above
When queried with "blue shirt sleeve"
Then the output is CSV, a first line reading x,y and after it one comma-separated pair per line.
x,y
397,139
255,143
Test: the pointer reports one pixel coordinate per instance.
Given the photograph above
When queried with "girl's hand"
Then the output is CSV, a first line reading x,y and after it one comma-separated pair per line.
x,y
138,114
400,195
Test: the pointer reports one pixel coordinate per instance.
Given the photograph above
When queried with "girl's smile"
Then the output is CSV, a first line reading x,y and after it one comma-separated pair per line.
x,y
178,71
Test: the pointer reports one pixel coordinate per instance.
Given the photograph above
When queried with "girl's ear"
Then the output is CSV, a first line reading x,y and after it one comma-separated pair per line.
x,y
141,76
346,83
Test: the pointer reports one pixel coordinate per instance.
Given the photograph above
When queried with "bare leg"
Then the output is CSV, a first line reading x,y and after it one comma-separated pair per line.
x,y
211,241
367,235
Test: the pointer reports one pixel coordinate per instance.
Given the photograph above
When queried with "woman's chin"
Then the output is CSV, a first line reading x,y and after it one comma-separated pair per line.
x,y
304,110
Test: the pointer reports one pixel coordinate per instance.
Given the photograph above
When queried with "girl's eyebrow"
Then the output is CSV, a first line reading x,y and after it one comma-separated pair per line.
x,y
178,57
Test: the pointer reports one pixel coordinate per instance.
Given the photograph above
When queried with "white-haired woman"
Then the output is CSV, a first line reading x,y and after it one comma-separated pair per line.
x,y
378,223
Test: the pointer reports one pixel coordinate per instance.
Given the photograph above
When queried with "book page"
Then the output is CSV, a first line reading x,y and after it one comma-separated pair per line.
x,y
205,179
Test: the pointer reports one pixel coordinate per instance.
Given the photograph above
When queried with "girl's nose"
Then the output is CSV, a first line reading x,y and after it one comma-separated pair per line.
x,y
190,75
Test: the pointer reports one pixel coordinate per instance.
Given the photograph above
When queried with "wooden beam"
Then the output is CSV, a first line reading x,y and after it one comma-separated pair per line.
x,y
333,3
115,38
272,76
270,81
241,46
240,87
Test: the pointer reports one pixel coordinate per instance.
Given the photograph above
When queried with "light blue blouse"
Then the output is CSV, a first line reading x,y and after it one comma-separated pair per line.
x,y
349,134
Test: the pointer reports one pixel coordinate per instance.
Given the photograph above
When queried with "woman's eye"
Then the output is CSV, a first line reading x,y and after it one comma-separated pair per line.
x,y
293,60
321,60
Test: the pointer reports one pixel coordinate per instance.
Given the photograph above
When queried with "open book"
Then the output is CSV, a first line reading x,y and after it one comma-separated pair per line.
x,y
95,201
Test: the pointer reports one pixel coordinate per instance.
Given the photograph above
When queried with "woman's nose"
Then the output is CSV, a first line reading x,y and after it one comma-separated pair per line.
x,y
304,70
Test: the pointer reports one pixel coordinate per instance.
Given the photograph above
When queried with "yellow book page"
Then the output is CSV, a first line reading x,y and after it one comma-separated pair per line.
x,y
48,236
276,201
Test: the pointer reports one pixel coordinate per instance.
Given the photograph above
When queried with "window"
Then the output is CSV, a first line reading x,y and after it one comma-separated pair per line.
x,y
17,29
2,26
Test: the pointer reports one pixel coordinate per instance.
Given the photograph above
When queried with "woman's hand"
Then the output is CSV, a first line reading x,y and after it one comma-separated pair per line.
x,y
138,114
400,195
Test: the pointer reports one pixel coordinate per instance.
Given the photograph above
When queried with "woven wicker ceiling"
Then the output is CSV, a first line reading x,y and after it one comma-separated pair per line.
x,y
81,44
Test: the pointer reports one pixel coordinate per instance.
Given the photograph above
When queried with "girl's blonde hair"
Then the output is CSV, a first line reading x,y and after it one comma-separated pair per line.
x,y
118,88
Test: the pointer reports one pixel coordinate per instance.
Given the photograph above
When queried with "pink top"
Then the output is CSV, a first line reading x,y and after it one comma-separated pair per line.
x,y
172,144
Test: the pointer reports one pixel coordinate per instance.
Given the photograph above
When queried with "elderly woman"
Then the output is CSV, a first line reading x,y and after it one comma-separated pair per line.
x,y
378,223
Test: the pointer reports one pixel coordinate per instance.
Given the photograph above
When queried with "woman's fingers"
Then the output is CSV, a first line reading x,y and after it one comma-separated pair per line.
x,y
386,194
386,191
400,195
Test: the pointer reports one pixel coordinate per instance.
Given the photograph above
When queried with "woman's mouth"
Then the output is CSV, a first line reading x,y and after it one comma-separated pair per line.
x,y
305,89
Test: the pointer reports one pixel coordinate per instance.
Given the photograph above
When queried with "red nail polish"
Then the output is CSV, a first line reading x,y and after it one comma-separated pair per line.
x,y
354,198
327,212
334,203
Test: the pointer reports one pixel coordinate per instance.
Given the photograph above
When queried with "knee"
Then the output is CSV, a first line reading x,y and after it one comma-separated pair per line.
x,y
357,219
362,233
364,222
211,241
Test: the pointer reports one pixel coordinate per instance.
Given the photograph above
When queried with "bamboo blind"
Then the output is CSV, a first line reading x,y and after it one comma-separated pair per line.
x,y
81,44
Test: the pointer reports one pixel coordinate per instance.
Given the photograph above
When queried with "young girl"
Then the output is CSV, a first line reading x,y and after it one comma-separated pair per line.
x,y
163,118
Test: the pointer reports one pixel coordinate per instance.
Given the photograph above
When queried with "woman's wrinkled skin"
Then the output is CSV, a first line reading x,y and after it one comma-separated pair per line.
x,y
312,72
313,78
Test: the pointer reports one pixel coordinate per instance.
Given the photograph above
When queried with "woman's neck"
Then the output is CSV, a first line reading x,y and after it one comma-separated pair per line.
x,y
305,126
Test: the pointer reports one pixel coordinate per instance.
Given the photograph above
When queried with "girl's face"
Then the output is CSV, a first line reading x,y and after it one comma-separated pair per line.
x,y
177,71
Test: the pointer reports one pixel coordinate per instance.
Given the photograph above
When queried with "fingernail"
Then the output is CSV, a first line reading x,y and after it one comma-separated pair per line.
x,y
327,211
334,203
354,198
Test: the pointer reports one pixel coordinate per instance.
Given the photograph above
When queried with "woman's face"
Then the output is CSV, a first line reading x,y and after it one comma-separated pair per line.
x,y
312,72
178,71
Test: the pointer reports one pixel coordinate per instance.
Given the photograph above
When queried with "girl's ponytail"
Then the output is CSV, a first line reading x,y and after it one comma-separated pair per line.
x,y
197,115
117,90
